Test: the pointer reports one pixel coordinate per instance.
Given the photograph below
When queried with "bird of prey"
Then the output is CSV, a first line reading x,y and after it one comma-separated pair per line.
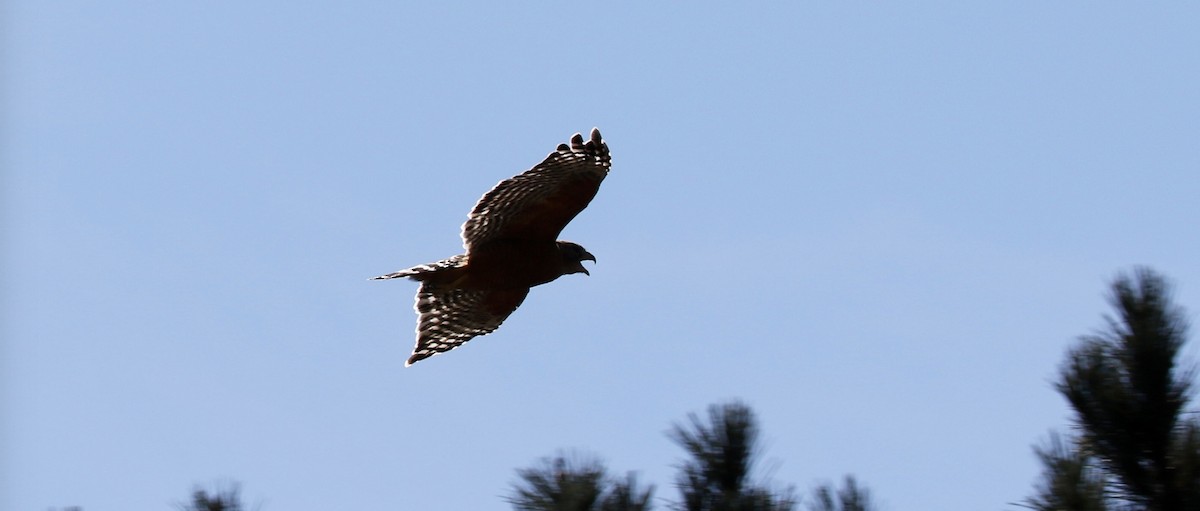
x,y
511,245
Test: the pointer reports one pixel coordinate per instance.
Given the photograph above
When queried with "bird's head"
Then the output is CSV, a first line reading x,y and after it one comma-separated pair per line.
x,y
573,257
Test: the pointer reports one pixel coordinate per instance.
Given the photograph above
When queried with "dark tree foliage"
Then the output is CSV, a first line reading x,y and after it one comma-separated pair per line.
x,y
624,495
1137,446
849,498
228,499
722,453
562,484
1070,479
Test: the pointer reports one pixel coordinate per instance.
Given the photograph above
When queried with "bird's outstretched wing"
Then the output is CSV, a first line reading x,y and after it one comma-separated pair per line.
x,y
450,317
538,204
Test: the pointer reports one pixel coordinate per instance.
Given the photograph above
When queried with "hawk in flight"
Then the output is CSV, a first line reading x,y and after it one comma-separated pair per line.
x,y
510,239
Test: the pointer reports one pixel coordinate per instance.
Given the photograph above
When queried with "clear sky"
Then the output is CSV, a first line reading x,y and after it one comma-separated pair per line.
x,y
879,224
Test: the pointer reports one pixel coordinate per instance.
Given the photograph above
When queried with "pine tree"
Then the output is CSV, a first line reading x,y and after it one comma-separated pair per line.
x,y
717,476
228,499
1071,479
850,498
574,483
723,454
1136,446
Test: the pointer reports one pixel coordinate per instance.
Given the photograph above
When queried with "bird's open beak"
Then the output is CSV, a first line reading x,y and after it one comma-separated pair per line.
x,y
587,256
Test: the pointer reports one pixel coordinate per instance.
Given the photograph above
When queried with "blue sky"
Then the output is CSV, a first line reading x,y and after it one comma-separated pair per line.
x,y
880,225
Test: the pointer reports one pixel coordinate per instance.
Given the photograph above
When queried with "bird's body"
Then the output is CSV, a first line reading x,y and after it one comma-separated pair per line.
x,y
511,247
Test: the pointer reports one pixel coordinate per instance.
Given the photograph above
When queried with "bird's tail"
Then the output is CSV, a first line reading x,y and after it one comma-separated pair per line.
x,y
425,271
